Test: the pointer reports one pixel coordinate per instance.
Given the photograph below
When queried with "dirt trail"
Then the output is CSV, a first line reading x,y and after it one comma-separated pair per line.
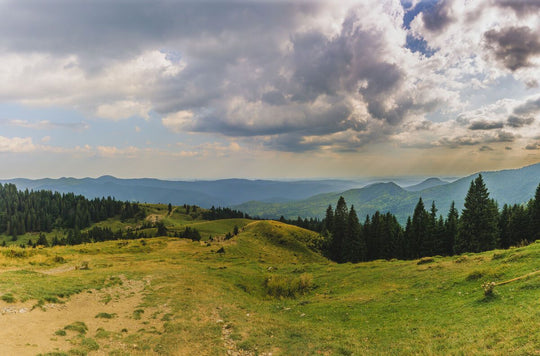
x,y
24,331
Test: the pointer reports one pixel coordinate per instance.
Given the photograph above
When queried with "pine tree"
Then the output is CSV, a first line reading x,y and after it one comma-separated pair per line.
x,y
339,231
504,222
355,244
329,219
534,213
478,226
451,229
419,231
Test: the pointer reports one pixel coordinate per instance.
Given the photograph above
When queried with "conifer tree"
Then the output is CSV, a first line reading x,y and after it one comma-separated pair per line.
x,y
339,232
478,226
451,229
355,244
534,213
419,230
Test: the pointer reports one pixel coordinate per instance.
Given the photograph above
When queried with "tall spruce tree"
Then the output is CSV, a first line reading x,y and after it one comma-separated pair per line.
x,y
419,230
355,244
478,226
534,212
451,229
339,232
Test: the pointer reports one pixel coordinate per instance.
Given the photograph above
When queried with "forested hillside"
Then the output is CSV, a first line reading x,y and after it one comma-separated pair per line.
x,y
480,227
42,211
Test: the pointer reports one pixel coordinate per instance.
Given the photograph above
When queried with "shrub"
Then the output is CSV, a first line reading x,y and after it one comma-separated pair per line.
x,y
77,326
106,315
287,286
8,298
425,260
474,275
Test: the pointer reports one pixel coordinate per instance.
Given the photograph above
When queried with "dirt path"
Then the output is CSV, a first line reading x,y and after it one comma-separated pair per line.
x,y
24,331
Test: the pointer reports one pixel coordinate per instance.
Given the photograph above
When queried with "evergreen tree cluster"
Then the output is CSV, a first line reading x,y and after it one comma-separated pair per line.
x,y
34,211
223,213
190,233
312,224
479,228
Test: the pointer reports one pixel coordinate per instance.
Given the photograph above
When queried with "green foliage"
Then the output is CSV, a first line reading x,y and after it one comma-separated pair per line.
x,y
478,226
8,298
77,326
279,286
104,315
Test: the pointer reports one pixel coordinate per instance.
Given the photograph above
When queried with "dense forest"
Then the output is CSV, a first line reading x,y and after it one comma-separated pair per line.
x,y
43,211
480,227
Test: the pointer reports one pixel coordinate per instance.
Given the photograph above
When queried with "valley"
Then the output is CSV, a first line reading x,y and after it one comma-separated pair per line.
x,y
265,291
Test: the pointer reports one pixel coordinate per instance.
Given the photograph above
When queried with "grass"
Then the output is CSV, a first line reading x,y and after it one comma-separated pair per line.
x,y
272,292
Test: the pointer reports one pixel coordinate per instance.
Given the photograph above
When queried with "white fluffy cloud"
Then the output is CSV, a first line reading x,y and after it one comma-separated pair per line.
x,y
289,76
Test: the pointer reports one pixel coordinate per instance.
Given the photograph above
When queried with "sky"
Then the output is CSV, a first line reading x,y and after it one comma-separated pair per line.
x,y
268,89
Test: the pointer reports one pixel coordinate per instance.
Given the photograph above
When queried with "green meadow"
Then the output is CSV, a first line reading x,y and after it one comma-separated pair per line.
x,y
265,291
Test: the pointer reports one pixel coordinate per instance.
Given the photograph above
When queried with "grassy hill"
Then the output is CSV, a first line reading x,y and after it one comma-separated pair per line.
x,y
264,291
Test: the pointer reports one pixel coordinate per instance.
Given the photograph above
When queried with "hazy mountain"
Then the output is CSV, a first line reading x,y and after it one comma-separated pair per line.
x,y
224,192
508,186
428,183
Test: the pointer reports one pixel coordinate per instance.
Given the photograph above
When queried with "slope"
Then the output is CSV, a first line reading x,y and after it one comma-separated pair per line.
x,y
167,296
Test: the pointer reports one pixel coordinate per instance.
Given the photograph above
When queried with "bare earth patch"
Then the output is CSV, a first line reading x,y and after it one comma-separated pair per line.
x,y
25,330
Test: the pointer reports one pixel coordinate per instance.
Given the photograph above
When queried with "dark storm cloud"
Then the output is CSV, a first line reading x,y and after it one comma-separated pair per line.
x,y
521,7
530,107
486,125
533,146
517,122
438,17
513,46
502,136
234,51
113,29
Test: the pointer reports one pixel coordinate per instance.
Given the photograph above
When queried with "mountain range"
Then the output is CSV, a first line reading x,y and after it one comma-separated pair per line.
x,y
223,192
306,198
506,187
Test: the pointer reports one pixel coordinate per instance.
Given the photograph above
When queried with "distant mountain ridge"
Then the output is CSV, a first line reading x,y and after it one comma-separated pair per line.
x,y
506,187
223,192
426,184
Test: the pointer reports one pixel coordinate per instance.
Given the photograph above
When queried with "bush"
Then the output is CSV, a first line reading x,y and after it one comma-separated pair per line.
x,y
425,260
474,275
106,315
287,286
77,326
8,298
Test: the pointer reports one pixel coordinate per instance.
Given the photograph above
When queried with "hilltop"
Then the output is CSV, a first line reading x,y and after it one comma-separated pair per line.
x,y
265,290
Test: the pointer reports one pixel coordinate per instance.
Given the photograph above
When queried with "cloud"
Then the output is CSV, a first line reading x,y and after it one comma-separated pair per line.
x,y
485,149
513,46
517,122
47,125
530,107
123,109
437,17
288,76
178,120
533,146
486,125
521,7
16,144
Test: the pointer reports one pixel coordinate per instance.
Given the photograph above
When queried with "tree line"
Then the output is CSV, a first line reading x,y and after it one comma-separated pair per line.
x,y
35,211
480,227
